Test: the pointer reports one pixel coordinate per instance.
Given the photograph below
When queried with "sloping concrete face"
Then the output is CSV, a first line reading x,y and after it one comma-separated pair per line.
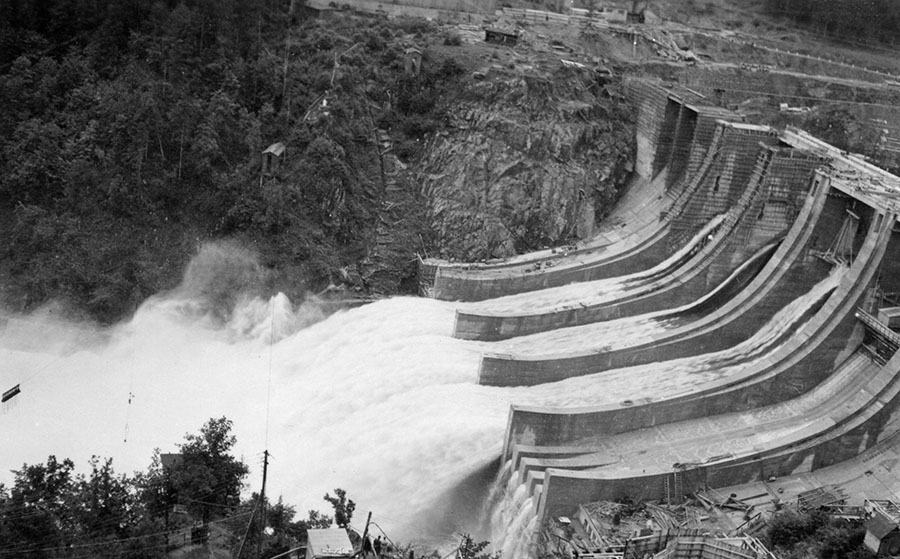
x,y
652,101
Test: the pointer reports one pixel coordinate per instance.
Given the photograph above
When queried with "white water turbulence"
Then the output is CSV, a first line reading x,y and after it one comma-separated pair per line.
x,y
513,520
579,294
379,400
512,516
676,377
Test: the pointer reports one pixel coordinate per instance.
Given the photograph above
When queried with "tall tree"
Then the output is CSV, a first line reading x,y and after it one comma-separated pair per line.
x,y
343,508
209,479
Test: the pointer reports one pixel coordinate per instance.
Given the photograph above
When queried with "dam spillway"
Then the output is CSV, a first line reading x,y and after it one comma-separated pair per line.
x,y
745,267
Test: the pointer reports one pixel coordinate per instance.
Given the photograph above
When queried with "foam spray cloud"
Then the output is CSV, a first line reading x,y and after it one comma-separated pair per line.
x,y
379,400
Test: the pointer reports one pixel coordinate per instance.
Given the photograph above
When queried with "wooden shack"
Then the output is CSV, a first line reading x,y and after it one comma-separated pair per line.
x,y
500,36
271,158
883,528
413,61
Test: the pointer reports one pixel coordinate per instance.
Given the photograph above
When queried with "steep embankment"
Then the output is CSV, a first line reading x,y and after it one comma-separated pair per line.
x,y
532,157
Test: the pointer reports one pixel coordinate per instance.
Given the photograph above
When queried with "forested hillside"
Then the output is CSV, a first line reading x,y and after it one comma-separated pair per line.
x,y
131,132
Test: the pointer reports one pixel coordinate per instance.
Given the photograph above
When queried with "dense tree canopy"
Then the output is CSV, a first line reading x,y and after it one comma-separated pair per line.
x,y
816,535
51,509
131,131
207,480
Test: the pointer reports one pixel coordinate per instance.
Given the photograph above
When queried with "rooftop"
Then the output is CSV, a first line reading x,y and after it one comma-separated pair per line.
x,y
330,542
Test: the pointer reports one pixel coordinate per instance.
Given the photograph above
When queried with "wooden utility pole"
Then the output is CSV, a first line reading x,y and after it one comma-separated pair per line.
x,y
262,504
365,535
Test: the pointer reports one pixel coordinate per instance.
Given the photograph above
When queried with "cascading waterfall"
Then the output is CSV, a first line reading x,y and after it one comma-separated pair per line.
x,y
518,539
513,520
497,492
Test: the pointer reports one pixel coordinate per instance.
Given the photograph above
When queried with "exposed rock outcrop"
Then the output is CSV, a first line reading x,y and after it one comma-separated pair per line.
x,y
529,161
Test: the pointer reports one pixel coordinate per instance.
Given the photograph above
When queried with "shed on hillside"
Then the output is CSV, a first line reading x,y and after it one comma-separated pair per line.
x,y
331,543
500,36
271,157
413,63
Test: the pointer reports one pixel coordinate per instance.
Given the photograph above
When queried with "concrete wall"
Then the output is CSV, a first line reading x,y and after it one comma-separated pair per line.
x,y
651,101
666,140
681,149
707,122
695,206
455,283
824,444
790,273
735,85
689,283
798,364
780,195
724,181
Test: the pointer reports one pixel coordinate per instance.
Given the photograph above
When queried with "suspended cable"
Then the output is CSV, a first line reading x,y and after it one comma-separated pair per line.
x,y
269,381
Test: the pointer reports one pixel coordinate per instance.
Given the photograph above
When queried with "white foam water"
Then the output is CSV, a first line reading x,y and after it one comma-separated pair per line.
x,y
379,400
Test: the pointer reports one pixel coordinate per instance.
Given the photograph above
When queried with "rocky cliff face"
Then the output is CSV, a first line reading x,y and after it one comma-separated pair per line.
x,y
527,161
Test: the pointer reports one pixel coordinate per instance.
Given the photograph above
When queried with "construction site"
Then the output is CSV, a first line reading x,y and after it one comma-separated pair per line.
x,y
750,271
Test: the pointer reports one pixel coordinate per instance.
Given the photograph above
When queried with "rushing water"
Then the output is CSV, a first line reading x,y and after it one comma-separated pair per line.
x,y
379,400
578,294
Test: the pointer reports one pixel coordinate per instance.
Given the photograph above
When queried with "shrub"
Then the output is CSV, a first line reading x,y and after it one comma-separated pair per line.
x,y
452,39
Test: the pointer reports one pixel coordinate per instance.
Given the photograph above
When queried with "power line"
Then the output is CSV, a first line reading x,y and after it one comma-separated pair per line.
x,y
269,382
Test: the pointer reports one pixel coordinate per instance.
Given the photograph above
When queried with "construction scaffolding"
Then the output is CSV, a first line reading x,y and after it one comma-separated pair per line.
x,y
690,544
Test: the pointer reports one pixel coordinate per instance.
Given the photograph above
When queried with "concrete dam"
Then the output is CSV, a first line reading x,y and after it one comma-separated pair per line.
x,y
746,282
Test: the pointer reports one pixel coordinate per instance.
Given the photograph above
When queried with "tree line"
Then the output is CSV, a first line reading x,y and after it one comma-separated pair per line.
x,y
50,510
